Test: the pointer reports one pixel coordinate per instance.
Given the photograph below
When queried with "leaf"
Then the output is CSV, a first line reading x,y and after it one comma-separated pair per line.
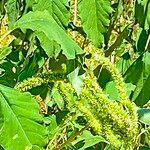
x,y
142,10
124,63
88,139
44,22
51,47
56,8
144,115
113,92
133,73
21,127
57,98
12,12
4,52
139,74
143,94
95,17
141,40
53,128
75,80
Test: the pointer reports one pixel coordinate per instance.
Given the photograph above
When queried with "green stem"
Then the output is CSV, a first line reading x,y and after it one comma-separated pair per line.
x,y
71,138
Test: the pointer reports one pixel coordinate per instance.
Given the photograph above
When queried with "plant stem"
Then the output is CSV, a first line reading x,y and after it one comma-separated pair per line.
x,y
75,16
71,138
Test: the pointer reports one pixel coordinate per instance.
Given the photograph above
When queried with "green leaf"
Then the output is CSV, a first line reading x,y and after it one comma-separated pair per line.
x,y
139,75
124,63
58,98
4,52
142,10
44,22
133,73
141,40
12,12
21,128
51,48
113,92
56,8
144,115
88,139
53,127
142,93
75,80
95,17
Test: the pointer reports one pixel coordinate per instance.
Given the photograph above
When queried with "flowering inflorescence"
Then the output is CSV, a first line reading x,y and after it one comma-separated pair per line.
x,y
70,96
106,117
50,76
98,58
117,122
30,83
39,79
6,39
109,113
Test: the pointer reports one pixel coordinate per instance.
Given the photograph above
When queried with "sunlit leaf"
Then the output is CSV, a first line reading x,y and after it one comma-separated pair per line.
x,y
21,125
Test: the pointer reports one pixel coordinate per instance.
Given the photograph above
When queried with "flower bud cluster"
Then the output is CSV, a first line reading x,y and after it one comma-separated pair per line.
x,y
39,79
99,59
106,117
3,30
110,113
70,97
52,76
30,83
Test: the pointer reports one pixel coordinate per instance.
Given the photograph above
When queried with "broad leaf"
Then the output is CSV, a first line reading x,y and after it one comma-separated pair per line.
x,y
144,115
88,139
141,40
51,48
44,22
57,98
75,80
142,92
21,128
112,92
57,8
95,17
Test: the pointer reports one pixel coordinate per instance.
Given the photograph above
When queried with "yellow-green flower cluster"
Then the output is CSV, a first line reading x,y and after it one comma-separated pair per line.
x,y
67,92
39,79
109,113
52,76
99,59
91,118
106,117
30,83
69,95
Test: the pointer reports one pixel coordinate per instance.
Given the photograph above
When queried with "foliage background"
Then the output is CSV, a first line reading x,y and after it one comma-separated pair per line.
x,y
61,69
